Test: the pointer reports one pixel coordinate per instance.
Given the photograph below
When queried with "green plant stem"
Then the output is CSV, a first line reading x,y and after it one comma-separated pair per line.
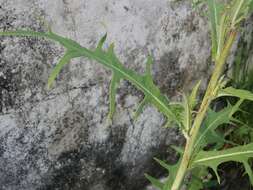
x,y
208,97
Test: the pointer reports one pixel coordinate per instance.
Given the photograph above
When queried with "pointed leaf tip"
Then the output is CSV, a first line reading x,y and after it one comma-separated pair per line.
x,y
112,96
139,110
111,48
155,182
63,61
193,95
150,59
179,150
102,41
149,64
163,164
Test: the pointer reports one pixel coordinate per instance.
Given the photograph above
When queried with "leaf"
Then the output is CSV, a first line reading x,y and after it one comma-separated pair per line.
x,y
148,76
101,42
186,115
189,102
240,9
148,67
250,6
155,182
193,96
109,60
230,91
63,61
196,182
215,10
222,29
208,134
172,170
112,95
213,159
140,108
224,19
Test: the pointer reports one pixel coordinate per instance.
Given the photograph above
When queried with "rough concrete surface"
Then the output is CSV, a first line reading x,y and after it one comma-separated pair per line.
x,y
58,138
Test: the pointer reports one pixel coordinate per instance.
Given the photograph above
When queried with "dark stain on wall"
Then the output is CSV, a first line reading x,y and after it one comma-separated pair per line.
x,y
170,77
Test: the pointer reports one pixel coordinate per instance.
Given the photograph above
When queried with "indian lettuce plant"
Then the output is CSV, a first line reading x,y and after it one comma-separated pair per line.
x,y
196,119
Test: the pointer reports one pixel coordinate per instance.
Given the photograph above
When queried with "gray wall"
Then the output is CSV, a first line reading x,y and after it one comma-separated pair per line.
x,y
58,139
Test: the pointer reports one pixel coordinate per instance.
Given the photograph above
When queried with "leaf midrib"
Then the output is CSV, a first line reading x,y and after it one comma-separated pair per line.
x,y
222,156
207,129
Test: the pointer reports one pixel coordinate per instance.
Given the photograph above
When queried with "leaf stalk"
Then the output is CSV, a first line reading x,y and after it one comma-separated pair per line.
x,y
208,97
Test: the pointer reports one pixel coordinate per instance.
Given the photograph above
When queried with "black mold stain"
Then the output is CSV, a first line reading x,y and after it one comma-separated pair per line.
x,y
170,77
69,173
8,89
6,18
11,74
126,8
191,24
16,170
83,167
7,81
127,89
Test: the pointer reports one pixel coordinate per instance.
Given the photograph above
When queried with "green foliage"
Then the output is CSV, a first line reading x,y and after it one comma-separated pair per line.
x,y
224,18
208,134
239,93
196,181
155,182
195,184
188,105
193,96
217,29
242,73
242,77
172,171
213,159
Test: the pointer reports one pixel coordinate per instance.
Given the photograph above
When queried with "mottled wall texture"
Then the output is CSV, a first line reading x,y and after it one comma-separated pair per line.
x,y
58,138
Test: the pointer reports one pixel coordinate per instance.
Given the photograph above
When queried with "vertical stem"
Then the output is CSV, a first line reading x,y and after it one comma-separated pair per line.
x,y
209,95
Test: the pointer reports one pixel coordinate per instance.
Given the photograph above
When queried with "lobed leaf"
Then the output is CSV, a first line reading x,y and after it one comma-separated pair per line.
x,y
172,170
239,93
155,182
109,60
213,159
208,134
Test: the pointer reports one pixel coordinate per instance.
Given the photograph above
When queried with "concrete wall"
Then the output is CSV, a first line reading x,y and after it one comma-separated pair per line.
x,y
58,139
